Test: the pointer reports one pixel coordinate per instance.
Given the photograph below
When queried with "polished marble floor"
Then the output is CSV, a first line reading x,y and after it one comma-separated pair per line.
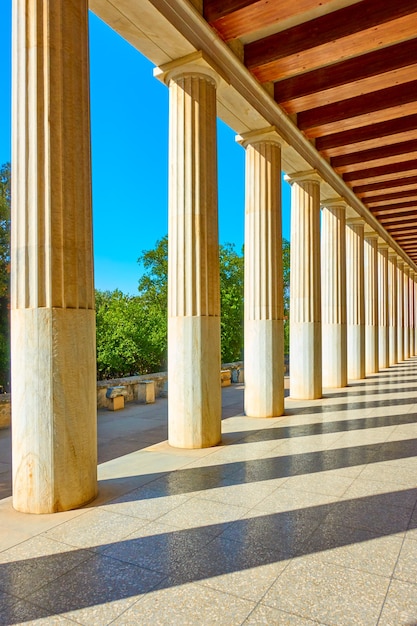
x,y
305,519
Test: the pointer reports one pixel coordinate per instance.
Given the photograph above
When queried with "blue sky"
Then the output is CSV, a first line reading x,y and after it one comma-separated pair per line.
x,y
129,128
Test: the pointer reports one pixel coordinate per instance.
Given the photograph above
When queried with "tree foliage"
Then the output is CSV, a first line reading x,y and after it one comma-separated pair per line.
x,y
5,197
132,330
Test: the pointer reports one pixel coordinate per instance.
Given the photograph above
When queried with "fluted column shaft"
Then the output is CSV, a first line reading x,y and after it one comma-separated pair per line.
x,y
406,293
53,320
392,308
194,402
383,327
371,304
264,307
355,280
333,284
415,313
400,308
305,289
411,309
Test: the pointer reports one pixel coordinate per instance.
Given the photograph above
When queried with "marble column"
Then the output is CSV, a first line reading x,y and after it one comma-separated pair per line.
x,y
305,287
54,437
333,285
264,306
355,298
371,303
406,293
400,308
383,327
411,311
392,307
194,401
415,313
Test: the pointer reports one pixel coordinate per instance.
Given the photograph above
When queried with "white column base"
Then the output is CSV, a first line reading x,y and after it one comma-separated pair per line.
x,y
383,347
194,410
54,409
393,352
305,361
356,351
371,350
334,365
264,368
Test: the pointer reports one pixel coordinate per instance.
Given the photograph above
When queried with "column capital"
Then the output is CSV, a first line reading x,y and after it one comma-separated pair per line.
x,y
400,261
355,221
392,254
382,245
269,134
334,203
196,64
371,235
311,176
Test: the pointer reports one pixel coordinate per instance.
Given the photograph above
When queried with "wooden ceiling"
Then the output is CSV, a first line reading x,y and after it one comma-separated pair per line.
x,y
346,73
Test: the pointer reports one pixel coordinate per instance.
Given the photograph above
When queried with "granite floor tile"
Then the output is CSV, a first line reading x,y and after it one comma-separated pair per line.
x,y
387,492
406,569
355,548
243,494
390,473
198,512
400,608
330,483
187,605
287,499
95,529
284,533
146,503
14,611
327,593
161,548
273,617
371,514
36,562
96,591
241,570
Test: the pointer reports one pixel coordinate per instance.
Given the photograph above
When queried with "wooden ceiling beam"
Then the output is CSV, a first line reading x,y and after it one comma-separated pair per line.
x,y
392,196
402,182
383,214
366,133
384,170
350,71
391,203
235,18
398,158
400,205
349,32
359,106
371,144
374,154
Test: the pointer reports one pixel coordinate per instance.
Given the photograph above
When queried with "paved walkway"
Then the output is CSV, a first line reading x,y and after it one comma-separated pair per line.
x,y
301,520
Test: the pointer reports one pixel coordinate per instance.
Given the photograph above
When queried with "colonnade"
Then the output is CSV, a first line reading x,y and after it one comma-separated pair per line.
x,y
352,299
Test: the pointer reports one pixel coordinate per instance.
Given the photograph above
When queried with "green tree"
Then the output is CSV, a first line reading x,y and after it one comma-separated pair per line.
x,y
5,196
231,303
286,276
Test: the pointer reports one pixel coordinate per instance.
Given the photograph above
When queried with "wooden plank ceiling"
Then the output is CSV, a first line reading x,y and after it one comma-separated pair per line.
x,y
346,72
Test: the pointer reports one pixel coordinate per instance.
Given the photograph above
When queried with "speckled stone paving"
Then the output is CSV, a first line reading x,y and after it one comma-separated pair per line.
x,y
305,519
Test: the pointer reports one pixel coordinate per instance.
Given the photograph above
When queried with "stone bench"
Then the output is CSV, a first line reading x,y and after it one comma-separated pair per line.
x,y
226,378
116,398
146,392
238,375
